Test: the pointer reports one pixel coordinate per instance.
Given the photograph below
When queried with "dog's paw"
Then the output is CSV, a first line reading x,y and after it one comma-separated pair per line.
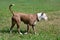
x,y
20,33
25,33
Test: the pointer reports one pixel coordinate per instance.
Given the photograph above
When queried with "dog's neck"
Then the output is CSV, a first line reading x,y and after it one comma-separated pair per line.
x,y
37,17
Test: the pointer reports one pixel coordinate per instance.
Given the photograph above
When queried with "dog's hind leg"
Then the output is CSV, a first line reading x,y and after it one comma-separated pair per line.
x,y
13,23
18,25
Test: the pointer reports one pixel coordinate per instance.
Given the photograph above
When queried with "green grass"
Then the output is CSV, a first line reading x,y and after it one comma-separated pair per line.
x,y
46,30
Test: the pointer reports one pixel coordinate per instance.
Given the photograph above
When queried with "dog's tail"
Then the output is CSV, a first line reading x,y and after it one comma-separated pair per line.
x,y
10,8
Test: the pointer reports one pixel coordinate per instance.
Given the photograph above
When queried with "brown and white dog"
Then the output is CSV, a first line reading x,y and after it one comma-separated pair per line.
x,y
28,19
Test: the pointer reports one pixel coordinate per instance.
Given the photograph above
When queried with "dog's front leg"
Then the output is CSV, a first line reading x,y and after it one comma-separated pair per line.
x,y
33,27
27,29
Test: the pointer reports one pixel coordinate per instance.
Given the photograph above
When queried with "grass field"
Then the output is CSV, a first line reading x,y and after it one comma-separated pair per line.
x,y
46,30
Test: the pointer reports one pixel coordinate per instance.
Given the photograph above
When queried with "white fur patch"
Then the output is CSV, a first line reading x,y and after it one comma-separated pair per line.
x,y
40,16
25,33
35,22
20,33
44,16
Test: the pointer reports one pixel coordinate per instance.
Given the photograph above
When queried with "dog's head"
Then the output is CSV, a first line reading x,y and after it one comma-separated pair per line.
x,y
42,16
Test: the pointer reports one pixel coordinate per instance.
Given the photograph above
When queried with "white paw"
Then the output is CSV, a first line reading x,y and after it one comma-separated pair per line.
x,y
21,33
25,33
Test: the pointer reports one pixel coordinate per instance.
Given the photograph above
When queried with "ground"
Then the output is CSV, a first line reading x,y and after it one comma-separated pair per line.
x,y
46,30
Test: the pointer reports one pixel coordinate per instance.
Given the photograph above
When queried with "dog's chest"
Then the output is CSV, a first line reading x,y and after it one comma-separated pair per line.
x,y
35,23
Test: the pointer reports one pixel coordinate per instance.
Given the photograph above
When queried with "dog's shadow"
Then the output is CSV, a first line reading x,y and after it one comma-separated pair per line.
x,y
13,31
4,31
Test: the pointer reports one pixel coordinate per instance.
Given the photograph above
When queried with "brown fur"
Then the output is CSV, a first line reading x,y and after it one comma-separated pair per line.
x,y
28,19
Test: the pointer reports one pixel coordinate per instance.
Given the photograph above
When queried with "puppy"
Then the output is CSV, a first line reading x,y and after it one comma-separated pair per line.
x,y
28,19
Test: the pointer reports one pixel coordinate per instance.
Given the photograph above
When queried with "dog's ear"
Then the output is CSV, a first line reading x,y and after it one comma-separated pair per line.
x,y
42,13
